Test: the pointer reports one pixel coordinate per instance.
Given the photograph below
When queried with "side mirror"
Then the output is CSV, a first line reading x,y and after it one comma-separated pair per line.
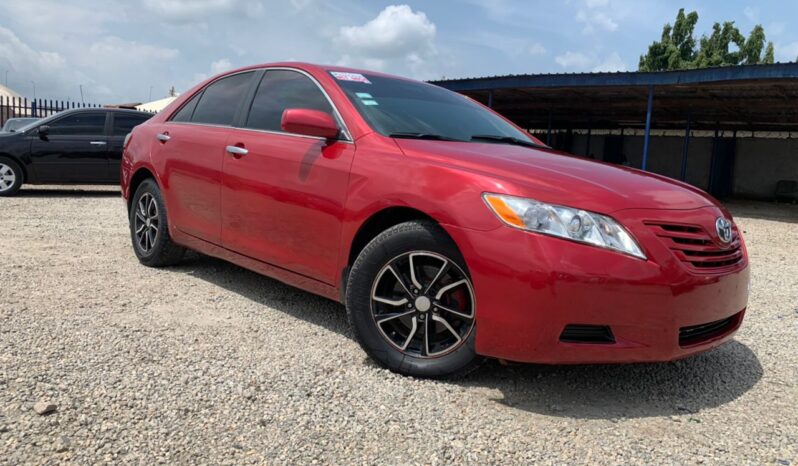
x,y
309,122
43,130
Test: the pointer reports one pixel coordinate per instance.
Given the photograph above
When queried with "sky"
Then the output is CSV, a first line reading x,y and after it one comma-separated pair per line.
x,y
136,50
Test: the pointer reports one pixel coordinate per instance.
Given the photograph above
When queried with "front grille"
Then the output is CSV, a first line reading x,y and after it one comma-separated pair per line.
x,y
695,334
587,334
693,246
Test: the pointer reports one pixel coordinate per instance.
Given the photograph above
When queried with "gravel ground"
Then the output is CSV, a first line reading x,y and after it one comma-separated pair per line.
x,y
210,363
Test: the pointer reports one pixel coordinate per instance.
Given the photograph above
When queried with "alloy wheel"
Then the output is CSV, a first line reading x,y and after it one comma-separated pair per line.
x,y
7,177
423,304
146,222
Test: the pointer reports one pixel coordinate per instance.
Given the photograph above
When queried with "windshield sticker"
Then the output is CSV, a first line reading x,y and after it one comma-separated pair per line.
x,y
364,95
370,102
355,77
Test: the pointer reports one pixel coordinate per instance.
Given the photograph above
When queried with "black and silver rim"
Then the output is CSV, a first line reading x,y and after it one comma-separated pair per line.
x,y
146,222
423,304
7,177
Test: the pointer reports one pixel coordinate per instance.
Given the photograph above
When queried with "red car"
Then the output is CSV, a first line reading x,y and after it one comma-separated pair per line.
x,y
449,233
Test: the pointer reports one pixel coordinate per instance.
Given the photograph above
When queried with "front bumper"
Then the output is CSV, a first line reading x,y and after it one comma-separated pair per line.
x,y
529,287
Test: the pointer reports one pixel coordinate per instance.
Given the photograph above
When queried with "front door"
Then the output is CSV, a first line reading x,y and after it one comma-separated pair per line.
x,y
283,201
74,150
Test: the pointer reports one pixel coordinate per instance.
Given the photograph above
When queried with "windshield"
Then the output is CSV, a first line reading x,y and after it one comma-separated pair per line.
x,y
17,124
402,108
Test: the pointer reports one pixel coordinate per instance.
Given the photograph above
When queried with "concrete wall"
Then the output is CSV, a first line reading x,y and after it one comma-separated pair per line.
x,y
759,163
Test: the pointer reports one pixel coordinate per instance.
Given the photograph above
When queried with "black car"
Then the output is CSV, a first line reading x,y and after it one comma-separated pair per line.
x,y
81,146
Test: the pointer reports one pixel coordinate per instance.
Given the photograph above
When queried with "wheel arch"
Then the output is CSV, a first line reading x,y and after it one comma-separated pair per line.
x,y
143,173
375,224
16,160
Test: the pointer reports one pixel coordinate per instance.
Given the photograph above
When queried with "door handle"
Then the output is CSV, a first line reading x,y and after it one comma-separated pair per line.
x,y
97,143
163,137
236,151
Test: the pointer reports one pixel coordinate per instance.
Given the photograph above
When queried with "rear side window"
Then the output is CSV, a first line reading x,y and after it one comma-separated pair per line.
x,y
184,114
81,124
124,123
279,90
219,102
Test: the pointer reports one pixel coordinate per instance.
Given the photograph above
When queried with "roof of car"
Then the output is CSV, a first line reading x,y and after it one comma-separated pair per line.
x,y
316,67
100,109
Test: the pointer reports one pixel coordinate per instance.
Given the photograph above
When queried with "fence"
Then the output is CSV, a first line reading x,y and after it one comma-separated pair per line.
x,y
21,107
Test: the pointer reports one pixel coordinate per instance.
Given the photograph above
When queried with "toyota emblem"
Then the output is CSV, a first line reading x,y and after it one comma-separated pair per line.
x,y
724,228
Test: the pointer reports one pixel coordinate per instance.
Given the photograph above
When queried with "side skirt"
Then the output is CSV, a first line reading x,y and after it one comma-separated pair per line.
x,y
290,278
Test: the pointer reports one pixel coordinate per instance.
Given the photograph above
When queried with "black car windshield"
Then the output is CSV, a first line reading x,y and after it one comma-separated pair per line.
x,y
410,109
16,124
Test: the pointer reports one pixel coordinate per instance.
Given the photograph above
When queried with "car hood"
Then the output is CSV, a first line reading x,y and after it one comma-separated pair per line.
x,y
9,135
560,178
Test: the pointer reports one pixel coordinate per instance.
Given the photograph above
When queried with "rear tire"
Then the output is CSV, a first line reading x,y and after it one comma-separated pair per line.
x,y
149,228
11,177
411,304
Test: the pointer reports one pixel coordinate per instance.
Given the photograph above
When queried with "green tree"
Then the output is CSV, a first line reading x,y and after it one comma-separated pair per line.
x,y
769,54
726,45
676,48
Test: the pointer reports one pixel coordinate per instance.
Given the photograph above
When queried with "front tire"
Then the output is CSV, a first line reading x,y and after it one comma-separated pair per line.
x,y
149,228
411,303
11,177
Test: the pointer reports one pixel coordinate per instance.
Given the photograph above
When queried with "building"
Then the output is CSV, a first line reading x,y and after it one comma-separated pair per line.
x,y
732,131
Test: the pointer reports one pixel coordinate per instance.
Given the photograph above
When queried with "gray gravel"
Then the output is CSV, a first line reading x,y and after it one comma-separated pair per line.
x,y
210,363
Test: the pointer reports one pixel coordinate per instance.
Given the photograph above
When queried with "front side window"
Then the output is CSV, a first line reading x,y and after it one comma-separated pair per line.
x,y
220,101
395,106
124,123
280,90
81,124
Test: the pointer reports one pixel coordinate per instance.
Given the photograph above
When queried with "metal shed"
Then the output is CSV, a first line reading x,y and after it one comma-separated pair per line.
x,y
725,105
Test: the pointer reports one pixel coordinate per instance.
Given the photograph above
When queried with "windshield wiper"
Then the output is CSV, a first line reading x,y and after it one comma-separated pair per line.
x,y
430,136
508,140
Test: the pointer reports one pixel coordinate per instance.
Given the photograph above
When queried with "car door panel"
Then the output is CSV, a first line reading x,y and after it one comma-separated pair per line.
x,y
74,155
191,170
283,201
122,123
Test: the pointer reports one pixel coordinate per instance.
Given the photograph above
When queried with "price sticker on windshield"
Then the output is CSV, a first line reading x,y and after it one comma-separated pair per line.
x,y
354,77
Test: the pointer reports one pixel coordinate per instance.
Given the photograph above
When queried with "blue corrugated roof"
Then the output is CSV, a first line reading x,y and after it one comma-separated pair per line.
x,y
631,78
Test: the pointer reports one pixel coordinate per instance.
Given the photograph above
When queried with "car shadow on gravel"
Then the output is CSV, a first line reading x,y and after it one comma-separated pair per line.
x,y
587,392
624,391
267,291
35,192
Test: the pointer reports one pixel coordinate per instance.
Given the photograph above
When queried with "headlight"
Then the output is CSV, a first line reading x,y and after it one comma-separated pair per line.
x,y
564,222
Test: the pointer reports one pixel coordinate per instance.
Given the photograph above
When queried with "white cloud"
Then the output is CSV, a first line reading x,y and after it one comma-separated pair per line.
x,y
114,48
596,20
613,62
573,60
786,52
47,69
578,61
396,36
189,11
536,49
596,3
220,66
751,13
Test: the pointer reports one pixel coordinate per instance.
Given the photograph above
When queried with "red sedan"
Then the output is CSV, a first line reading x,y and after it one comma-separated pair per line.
x,y
449,233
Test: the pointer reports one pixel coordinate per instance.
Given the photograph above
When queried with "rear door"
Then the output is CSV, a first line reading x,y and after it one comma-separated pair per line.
x,y
73,151
283,201
189,154
122,123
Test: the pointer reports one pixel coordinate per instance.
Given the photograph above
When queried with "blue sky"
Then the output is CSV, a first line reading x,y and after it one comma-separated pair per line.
x,y
124,51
